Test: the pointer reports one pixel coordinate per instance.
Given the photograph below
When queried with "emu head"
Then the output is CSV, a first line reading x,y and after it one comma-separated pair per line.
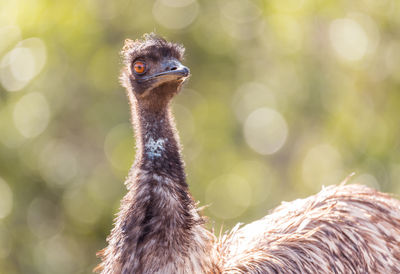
x,y
152,71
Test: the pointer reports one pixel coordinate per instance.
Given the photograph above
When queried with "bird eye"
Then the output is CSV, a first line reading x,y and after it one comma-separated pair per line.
x,y
139,67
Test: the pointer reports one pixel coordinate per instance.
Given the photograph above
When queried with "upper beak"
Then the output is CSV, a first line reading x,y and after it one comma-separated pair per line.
x,y
174,67
170,70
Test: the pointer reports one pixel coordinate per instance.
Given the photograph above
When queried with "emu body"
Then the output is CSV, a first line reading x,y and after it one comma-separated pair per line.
x,y
342,229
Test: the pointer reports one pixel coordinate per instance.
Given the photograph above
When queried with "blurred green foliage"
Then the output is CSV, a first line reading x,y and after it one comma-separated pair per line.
x,y
285,96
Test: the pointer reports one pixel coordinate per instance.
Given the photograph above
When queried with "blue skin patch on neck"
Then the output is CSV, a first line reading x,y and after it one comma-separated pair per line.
x,y
153,148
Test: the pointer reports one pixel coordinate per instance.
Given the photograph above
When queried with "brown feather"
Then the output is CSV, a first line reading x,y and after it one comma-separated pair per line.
x,y
342,229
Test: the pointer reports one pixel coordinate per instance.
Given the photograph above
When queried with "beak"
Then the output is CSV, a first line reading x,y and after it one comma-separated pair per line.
x,y
171,70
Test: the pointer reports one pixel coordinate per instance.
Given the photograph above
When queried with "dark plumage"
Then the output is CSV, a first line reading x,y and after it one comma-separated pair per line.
x,y
158,229
342,229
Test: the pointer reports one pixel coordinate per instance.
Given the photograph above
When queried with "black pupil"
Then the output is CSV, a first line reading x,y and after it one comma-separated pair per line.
x,y
139,67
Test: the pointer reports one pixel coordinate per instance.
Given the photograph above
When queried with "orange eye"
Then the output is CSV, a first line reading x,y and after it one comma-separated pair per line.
x,y
139,67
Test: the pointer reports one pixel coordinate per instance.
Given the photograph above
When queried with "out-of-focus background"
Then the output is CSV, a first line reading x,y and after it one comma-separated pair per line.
x,y
285,96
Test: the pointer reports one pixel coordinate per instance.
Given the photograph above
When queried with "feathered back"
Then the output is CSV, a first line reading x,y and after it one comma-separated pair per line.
x,y
342,229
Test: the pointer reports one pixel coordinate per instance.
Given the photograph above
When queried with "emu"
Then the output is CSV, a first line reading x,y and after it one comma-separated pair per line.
x,y
342,229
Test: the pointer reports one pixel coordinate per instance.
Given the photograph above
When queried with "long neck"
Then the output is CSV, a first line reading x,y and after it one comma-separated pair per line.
x,y
158,149
158,228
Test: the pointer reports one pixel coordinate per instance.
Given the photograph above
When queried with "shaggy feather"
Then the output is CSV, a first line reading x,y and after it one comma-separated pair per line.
x,y
342,229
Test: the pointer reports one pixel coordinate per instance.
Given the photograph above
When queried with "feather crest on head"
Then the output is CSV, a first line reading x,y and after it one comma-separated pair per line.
x,y
153,45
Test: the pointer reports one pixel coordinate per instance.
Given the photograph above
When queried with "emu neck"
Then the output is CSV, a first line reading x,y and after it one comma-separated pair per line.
x,y
158,229
158,144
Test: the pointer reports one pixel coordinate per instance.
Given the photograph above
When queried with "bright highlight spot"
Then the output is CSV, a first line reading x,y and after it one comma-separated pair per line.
x,y
349,39
31,114
6,199
175,14
22,64
265,131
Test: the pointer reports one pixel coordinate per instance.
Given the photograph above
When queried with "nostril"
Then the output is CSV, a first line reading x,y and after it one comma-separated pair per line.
x,y
171,68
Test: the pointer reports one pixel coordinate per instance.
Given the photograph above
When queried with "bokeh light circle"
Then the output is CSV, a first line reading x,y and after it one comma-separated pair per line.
x,y
31,114
175,14
349,39
265,131
19,66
